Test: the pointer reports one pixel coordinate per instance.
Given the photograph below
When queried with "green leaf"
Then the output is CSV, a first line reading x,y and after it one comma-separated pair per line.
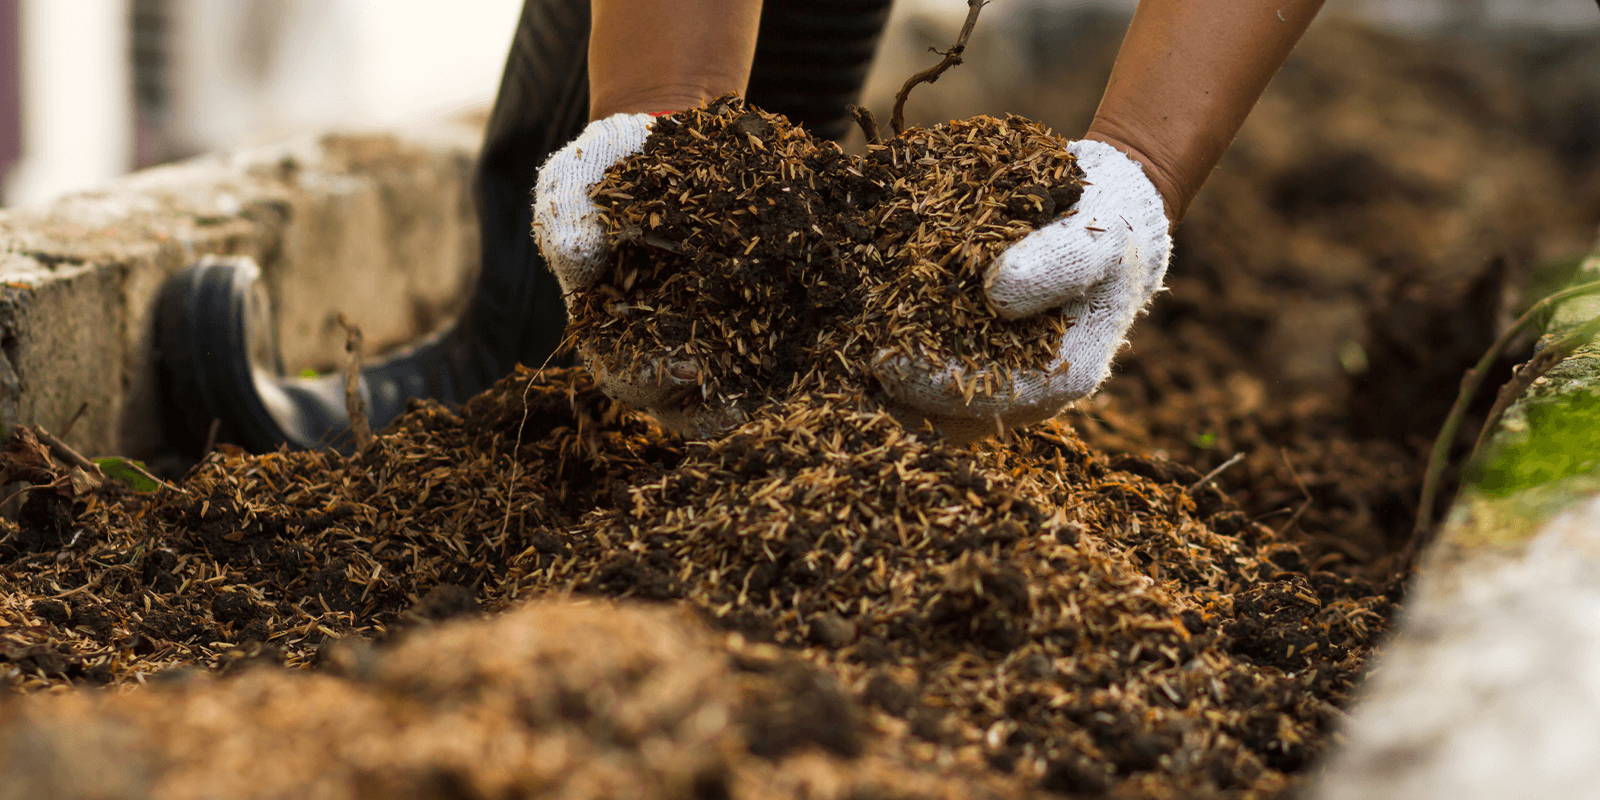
x,y
126,471
1206,440
309,373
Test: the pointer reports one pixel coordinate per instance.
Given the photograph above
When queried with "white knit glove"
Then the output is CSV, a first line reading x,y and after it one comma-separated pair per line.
x,y
1099,266
566,221
566,224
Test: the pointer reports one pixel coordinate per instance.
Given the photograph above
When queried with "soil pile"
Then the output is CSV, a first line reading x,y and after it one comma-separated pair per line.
x,y
759,262
1029,610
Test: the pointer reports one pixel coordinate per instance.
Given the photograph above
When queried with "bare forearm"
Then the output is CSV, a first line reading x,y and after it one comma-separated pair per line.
x,y
664,55
1188,73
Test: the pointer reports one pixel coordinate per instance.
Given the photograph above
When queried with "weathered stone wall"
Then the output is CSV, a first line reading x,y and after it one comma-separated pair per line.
x,y
378,226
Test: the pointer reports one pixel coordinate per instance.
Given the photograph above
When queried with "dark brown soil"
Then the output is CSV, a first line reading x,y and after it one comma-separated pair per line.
x,y
1031,609
863,611
765,262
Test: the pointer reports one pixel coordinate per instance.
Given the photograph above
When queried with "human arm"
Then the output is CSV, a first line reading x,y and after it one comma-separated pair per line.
x,y
1187,75
645,57
665,55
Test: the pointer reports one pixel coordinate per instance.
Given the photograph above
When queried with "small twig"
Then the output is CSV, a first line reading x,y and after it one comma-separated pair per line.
x,y
88,585
511,479
1471,381
5,505
67,453
522,424
66,430
952,57
868,123
1209,476
1270,514
354,404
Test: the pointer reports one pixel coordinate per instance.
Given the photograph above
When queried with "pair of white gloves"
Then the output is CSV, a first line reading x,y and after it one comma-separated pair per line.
x,y
1099,266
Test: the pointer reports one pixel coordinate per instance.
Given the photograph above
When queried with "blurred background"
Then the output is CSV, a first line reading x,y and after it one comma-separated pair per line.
x,y
90,89
93,88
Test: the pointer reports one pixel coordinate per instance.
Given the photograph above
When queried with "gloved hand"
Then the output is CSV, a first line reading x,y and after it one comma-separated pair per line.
x,y
566,221
1099,266
566,224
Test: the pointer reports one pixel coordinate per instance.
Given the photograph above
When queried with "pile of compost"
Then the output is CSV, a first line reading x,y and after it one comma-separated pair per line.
x,y
543,594
1031,611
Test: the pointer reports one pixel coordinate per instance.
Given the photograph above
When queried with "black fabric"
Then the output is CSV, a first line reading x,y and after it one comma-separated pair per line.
x,y
516,312
812,57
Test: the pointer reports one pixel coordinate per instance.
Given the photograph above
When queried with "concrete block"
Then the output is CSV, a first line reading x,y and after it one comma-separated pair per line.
x,y
378,226
1492,687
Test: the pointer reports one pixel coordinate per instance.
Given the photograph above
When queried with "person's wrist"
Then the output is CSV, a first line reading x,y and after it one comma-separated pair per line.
x,y
649,100
1174,195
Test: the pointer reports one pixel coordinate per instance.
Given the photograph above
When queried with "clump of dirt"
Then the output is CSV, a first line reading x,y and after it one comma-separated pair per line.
x,y
757,261
1031,610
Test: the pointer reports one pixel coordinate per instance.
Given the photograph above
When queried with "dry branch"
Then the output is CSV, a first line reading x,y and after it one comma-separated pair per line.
x,y
66,430
1220,468
951,58
869,124
67,452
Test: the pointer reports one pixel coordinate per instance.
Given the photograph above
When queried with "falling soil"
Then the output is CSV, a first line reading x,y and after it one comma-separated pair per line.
x,y
854,609
761,262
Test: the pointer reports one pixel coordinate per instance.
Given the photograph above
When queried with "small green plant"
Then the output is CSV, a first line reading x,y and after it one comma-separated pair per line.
x,y
1553,352
128,472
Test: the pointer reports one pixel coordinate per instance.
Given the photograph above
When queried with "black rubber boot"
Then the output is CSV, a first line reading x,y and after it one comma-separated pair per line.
x,y
221,367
